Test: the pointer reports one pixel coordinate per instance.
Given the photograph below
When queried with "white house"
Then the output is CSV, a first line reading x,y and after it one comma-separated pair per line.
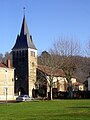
x,y
6,81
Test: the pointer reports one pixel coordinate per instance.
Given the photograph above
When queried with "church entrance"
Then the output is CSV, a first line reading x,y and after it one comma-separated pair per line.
x,y
21,91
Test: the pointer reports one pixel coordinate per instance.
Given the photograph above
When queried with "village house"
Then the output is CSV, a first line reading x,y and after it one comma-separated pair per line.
x,y
6,81
59,82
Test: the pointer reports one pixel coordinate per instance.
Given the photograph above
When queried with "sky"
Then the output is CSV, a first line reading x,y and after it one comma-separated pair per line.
x,y
47,21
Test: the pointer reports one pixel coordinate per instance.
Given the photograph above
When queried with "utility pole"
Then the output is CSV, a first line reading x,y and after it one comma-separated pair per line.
x,y
6,87
6,94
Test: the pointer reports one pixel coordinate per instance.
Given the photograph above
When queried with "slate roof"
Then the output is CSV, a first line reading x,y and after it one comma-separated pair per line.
x,y
24,40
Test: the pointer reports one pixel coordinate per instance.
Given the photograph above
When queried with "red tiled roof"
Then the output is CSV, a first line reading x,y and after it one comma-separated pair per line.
x,y
77,83
2,65
5,66
48,71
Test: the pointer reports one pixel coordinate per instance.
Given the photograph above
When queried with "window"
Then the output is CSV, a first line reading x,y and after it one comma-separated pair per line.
x,y
17,53
20,53
33,53
23,53
5,79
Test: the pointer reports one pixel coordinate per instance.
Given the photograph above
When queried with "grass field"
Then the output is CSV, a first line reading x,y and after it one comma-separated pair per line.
x,y
46,110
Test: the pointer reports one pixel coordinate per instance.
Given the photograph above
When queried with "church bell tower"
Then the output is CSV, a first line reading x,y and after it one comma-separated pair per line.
x,y
24,60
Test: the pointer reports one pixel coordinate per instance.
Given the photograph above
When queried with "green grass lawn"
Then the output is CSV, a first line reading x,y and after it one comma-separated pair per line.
x,y
46,110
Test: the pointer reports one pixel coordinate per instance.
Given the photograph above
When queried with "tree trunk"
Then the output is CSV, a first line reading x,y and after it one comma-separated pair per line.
x,y
70,90
51,93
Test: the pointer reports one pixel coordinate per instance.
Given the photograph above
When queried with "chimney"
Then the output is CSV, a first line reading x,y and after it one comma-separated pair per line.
x,y
8,63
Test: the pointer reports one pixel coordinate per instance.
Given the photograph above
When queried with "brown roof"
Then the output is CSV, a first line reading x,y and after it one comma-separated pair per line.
x,y
2,65
47,70
77,83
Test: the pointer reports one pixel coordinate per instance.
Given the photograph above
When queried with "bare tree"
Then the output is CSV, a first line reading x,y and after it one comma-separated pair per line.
x,y
61,56
66,47
66,50
49,68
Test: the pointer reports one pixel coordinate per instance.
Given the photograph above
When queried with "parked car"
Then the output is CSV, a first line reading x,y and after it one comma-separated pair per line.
x,y
23,98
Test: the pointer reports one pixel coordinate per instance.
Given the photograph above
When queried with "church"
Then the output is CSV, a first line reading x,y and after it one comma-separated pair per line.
x,y
26,72
24,60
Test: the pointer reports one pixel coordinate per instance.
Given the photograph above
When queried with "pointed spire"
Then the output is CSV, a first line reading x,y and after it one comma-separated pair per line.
x,y
25,39
24,28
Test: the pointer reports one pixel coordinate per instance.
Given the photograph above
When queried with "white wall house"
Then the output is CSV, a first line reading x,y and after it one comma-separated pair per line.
x,y
6,82
60,83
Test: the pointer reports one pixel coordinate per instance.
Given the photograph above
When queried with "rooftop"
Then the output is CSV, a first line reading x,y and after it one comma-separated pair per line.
x,y
24,40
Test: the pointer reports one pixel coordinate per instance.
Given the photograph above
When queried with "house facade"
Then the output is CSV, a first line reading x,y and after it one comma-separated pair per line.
x,y
59,82
6,82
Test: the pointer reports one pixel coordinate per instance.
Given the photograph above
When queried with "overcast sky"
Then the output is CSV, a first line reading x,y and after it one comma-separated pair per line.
x,y
47,21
